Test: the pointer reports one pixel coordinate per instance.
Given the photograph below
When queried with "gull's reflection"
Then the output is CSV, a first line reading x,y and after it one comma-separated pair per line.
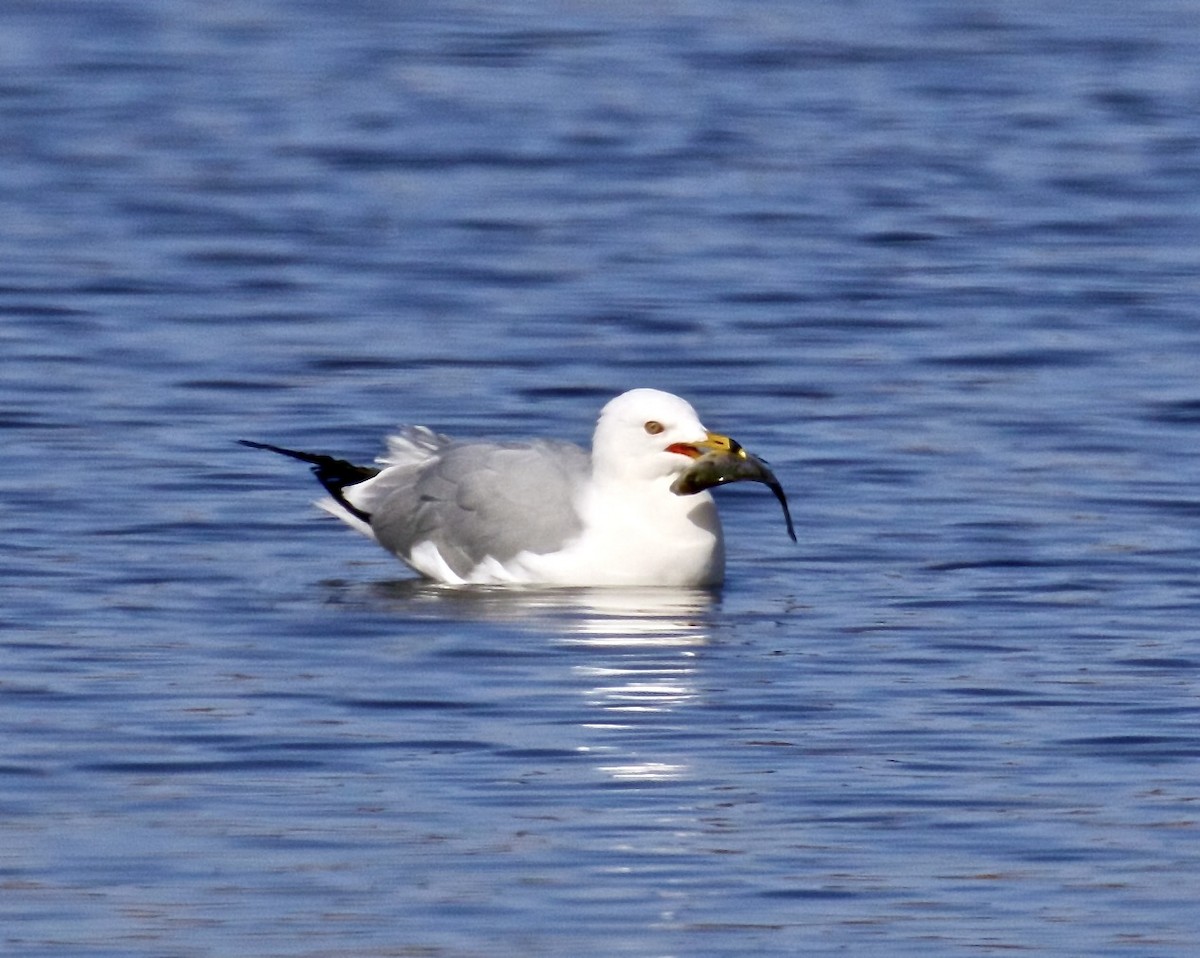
x,y
638,651
632,618
608,617
649,640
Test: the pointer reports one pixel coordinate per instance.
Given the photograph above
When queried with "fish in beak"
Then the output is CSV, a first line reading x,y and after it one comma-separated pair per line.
x,y
718,460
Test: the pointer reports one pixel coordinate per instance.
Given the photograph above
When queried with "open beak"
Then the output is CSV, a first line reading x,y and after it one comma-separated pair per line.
x,y
719,460
712,442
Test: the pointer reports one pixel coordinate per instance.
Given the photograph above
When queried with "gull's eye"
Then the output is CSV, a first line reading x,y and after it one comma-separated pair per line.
x,y
654,427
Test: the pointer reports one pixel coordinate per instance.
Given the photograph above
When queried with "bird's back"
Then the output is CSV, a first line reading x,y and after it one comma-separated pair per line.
x,y
473,501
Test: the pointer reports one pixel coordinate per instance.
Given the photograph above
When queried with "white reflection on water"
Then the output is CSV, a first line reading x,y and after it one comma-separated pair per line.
x,y
648,640
660,616
639,618
645,772
654,635
638,654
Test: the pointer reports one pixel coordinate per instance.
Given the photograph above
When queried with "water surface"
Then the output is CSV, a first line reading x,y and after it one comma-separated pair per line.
x,y
937,262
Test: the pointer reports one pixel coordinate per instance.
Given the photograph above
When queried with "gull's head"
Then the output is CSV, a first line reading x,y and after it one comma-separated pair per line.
x,y
649,434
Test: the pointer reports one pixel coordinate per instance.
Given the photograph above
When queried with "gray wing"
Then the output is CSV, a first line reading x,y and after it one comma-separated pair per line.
x,y
474,500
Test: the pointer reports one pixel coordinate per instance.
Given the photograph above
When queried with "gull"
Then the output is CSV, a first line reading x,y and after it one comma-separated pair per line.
x,y
544,512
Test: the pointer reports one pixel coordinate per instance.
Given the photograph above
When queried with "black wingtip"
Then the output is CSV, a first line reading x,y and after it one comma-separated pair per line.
x,y
334,474
293,453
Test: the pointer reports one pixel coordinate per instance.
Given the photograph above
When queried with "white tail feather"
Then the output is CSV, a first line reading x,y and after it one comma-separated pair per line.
x,y
411,445
335,508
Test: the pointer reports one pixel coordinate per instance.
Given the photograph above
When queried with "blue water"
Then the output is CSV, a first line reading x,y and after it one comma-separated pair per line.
x,y
937,261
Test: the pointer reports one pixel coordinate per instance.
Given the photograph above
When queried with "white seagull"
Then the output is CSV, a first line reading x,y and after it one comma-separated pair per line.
x,y
544,512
